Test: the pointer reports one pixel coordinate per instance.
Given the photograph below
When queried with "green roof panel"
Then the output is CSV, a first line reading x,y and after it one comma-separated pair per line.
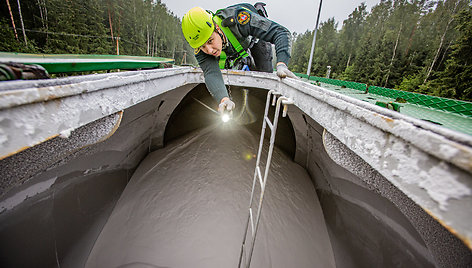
x,y
449,113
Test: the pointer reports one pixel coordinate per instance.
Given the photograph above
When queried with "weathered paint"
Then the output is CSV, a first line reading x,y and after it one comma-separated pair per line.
x,y
86,101
418,157
24,147
467,241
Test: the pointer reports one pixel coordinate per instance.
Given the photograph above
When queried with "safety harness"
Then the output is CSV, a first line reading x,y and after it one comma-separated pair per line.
x,y
242,53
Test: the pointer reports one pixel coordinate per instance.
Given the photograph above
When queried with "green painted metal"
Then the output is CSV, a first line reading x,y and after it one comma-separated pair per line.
x,y
6,73
348,84
453,106
67,63
389,105
452,114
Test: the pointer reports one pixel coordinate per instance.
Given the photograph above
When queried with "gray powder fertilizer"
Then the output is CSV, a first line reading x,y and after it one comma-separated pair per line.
x,y
186,206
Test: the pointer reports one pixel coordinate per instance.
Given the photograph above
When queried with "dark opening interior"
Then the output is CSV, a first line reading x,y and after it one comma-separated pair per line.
x,y
190,115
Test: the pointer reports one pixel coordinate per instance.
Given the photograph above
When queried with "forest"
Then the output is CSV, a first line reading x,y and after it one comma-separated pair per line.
x,y
413,45
114,27
421,46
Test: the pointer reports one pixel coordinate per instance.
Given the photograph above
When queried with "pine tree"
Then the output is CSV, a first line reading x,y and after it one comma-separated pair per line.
x,y
301,52
353,29
456,80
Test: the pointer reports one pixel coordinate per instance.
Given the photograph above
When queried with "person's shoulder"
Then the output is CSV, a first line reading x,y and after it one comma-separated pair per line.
x,y
237,14
235,9
245,6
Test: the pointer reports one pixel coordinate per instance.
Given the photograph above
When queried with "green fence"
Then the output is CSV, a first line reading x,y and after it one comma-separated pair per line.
x,y
443,104
454,106
341,83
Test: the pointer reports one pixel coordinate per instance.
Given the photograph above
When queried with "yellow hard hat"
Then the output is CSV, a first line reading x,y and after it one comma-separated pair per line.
x,y
197,26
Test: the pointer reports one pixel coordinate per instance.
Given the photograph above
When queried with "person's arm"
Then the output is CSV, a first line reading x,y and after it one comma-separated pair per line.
x,y
269,31
213,77
214,81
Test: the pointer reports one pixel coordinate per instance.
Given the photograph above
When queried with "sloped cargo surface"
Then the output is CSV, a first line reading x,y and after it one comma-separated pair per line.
x,y
186,206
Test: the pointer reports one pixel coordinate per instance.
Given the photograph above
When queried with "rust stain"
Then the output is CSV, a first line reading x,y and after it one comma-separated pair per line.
x,y
464,239
44,94
26,147
235,72
9,93
51,97
389,120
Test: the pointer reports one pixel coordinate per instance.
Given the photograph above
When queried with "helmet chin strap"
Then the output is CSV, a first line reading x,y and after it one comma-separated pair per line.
x,y
222,35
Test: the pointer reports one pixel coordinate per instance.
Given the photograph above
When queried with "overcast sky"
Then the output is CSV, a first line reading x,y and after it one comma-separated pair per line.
x,y
297,15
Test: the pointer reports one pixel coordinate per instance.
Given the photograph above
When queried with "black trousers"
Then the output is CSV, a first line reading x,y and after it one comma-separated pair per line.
x,y
261,52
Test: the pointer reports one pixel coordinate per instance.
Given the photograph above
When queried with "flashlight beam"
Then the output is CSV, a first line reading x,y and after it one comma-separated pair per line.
x,y
225,118
206,106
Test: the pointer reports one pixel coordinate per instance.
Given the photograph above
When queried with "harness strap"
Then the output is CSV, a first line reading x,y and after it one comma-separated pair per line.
x,y
222,60
234,42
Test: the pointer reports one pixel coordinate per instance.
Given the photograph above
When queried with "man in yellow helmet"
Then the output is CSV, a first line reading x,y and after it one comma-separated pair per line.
x,y
236,37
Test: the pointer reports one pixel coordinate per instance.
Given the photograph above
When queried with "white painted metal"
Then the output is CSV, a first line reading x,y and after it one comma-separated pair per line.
x,y
40,110
429,163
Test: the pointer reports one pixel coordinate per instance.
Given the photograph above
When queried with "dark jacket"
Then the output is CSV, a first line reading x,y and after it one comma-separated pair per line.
x,y
244,29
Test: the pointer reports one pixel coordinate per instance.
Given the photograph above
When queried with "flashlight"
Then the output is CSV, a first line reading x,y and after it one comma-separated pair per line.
x,y
226,116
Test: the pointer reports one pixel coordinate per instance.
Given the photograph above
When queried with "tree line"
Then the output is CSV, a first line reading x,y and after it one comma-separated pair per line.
x,y
421,46
413,45
125,27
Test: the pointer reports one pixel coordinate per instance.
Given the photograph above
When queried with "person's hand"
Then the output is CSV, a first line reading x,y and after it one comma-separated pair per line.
x,y
283,71
225,103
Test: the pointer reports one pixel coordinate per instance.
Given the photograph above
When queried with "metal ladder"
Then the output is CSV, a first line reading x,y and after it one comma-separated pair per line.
x,y
249,240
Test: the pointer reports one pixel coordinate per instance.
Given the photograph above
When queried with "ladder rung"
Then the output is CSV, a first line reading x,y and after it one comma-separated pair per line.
x,y
260,177
252,221
269,123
